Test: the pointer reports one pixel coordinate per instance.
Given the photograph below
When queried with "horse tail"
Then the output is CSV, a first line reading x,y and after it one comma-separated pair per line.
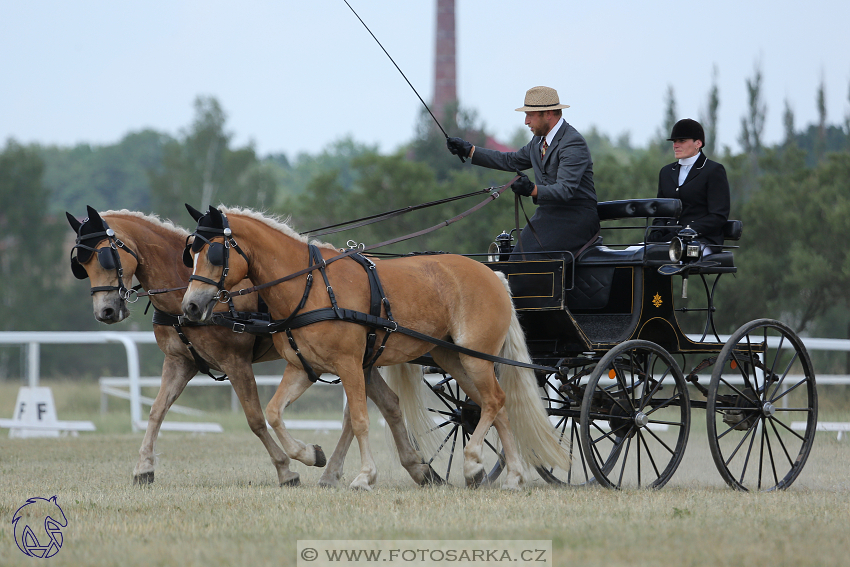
x,y
536,438
407,381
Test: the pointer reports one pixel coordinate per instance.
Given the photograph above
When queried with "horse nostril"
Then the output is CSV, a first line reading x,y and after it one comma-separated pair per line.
x,y
108,313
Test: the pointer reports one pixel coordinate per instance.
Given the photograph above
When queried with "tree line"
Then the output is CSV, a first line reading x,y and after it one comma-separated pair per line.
x,y
793,198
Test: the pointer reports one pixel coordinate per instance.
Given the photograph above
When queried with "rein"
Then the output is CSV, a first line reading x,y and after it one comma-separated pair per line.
x,y
371,219
494,193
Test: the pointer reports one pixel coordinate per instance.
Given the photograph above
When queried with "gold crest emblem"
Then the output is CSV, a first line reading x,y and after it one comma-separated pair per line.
x,y
656,301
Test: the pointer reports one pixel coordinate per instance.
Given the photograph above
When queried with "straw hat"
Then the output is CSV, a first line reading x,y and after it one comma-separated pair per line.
x,y
541,98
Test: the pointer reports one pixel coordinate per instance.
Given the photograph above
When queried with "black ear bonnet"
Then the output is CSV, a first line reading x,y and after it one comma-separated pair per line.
x,y
210,225
89,233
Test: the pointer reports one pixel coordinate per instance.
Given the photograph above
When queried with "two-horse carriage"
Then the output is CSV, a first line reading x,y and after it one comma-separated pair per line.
x,y
601,338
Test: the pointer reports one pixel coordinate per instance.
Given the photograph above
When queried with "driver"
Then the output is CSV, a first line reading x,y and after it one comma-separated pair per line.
x,y
566,217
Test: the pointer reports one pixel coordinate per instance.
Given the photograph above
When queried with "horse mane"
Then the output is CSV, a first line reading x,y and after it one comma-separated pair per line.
x,y
151,218
281,225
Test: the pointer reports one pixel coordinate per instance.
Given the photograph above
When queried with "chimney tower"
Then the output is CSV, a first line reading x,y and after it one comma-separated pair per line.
x,y
445,85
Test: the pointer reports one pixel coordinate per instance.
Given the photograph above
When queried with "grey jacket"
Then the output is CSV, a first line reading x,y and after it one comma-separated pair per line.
x,y
566,217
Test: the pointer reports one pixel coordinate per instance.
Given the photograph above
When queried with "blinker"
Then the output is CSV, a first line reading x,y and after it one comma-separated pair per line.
x,y
106,257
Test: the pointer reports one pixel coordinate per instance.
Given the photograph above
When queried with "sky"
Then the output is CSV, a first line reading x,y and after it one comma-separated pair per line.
x,y
297,75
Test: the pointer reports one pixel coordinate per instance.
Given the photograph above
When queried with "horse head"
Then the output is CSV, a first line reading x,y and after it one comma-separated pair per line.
x,y
215,271
115,263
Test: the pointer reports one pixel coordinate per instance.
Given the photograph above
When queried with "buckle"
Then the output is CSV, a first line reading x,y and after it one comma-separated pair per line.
x,y
238,327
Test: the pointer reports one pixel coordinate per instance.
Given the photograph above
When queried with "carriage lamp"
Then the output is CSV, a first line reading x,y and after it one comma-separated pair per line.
x,y
501,248
684,243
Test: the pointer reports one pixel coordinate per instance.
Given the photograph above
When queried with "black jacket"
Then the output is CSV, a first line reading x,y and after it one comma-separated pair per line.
x,y
705,200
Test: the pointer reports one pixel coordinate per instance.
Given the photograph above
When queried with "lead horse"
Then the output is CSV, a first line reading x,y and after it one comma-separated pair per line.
x,y
447,297
114,247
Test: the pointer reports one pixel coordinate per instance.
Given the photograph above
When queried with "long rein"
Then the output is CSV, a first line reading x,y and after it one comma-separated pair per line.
x,y
494,193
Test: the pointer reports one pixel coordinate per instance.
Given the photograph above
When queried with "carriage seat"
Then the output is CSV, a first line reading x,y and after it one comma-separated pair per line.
x,y
638,208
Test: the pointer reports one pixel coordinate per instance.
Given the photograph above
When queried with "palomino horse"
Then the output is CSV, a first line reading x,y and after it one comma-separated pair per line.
x,y
150,249
444,296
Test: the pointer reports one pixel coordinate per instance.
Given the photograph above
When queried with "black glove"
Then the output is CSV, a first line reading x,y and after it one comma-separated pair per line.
x,y
522,186
459,147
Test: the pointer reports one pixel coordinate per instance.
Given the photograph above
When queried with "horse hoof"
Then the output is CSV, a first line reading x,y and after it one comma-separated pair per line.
x,y
320,457
143,479
476,480
292,482
431,478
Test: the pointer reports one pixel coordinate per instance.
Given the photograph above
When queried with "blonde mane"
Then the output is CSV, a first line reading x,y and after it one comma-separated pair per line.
x,y
153,219
276,223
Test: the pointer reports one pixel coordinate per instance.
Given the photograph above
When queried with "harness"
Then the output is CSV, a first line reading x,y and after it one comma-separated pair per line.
x,y
373,320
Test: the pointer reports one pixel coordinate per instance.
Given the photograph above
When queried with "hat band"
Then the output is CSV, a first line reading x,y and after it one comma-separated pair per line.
x,y
542,105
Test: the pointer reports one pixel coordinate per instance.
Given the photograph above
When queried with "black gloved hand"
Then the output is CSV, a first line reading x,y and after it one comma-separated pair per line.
x,y
522,186
459,147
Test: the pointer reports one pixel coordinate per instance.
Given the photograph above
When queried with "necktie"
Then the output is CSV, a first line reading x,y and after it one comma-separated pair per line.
x,y
543,151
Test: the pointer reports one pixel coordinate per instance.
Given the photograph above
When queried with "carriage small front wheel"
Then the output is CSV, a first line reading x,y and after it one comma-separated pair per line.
x,y
635,417
762,407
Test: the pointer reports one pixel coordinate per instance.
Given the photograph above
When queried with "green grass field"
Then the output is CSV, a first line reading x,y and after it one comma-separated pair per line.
x,y
216,502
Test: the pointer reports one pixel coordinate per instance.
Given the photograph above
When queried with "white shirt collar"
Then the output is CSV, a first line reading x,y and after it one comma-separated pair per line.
x,y
690,160
551,135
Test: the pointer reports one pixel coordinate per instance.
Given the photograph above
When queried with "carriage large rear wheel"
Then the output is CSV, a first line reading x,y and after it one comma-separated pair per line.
x,y
762,407
635,417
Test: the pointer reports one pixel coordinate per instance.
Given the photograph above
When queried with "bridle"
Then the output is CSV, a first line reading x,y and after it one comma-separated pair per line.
x,y
218,254
108,258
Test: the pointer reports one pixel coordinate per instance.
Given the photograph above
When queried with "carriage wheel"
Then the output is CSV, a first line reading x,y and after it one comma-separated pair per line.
x,y
455,418
756,395
635,417
563,406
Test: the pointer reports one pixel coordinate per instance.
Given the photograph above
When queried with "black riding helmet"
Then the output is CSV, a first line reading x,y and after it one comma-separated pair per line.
x,y
687,129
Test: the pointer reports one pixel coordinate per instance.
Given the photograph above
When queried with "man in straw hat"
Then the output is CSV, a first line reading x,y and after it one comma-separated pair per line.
x,y
566,218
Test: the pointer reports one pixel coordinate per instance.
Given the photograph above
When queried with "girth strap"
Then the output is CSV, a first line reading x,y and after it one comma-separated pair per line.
x,y
162,318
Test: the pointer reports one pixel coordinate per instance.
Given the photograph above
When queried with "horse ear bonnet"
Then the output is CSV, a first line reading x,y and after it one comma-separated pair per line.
x,y
89,233
210,225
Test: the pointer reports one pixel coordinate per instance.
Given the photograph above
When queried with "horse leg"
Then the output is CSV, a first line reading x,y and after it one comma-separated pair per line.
x,y
245,386
353,381
388,403
514,469
333,472
294,383
477,378
176,373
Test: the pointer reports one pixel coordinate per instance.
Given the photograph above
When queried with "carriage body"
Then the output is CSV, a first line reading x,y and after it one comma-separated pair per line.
x,y
608,295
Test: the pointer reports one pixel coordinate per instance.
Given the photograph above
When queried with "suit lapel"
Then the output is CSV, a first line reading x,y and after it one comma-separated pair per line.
x,y
555,141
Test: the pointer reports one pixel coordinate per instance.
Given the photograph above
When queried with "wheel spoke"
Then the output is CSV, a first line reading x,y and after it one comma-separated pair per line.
x,y
741,442
766,434
791,389
666,403
772,422
443,444
800,437
747,458
663,444
649,453
623,466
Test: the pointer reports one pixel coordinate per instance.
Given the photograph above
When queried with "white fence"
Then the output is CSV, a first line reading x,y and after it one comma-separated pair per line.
x,y
32,341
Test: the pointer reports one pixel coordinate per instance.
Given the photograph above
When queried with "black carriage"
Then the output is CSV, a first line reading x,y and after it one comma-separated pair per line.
x,y
622,372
